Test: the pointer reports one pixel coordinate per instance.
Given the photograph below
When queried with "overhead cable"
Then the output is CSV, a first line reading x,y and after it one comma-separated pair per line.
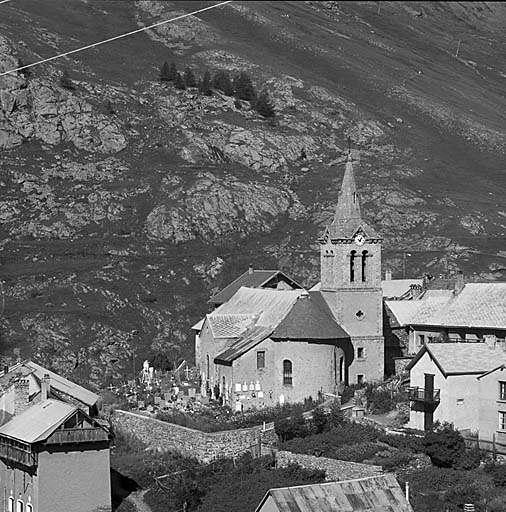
x,y
87,47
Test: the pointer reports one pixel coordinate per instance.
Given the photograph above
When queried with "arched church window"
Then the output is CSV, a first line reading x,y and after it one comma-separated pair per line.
x,y
287,373
352,266
364,265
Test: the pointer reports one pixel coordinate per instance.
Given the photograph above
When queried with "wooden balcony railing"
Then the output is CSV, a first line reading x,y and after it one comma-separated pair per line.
x,y
77,435
18,454
417,394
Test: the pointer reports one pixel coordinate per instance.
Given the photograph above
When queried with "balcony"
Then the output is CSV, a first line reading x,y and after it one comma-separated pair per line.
x,y
78,435
417,394
15,452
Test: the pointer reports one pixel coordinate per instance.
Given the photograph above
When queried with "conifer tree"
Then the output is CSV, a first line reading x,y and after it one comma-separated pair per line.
x,y
189,78
165,75
205,86
263,105
244,88
222,82
179,82
66,81
172,71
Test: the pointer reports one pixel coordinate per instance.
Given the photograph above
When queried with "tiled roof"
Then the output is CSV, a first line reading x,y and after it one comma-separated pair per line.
x,y
378,493
270,305
398,287
38,422
250,279
461,358
309,319
240,346
229,326
477,305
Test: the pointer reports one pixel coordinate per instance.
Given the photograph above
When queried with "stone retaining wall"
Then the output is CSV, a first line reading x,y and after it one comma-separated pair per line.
x,y
205,446
335,470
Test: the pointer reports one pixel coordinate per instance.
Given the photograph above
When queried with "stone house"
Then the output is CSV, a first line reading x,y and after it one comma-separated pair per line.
x,y
460,383
268,345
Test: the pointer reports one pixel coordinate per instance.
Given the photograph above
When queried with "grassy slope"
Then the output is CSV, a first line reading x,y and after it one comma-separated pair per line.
x,y
451,112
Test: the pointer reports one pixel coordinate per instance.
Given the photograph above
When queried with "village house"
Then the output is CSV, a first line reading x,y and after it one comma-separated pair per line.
x,y
460,383
53,455
364,494
268,344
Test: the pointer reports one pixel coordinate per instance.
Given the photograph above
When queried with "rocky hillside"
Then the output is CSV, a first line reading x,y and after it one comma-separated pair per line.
x,y
124,202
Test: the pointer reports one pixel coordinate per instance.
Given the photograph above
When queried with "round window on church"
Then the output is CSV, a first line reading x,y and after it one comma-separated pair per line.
x,y
360,314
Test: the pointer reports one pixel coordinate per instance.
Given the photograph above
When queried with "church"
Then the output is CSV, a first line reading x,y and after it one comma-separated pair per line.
x,y
270,341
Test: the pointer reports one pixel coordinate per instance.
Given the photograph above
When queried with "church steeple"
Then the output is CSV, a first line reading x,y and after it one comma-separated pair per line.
x,y
348,204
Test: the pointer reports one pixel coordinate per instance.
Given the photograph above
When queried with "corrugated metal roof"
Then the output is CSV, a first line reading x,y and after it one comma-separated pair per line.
x,y
270,305
378,493
64,385
309,319
398,287
239,347
250,279
38,422
461,358
229,326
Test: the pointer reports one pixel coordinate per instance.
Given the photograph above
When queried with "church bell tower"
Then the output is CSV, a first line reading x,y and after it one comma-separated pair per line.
x,y
351,281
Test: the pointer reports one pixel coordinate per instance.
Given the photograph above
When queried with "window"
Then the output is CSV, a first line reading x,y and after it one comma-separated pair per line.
x,y
352,266
502,420
364,262
287,373
260,359
20,506
360,378
29,508
421,339
360,353
502,390
10,506
207,366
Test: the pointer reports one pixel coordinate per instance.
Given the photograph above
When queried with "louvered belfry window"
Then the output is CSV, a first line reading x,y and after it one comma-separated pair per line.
x,y
287,373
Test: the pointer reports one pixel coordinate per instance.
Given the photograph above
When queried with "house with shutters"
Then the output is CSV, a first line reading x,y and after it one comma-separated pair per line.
x,y
54,456
271,342
460,383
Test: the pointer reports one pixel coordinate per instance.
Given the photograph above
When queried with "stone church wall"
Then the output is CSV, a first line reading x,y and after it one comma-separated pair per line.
x,y
205,446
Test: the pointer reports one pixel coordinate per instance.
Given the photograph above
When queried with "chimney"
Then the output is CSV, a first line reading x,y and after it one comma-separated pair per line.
x,y
490,340
250,270
416,291
388,275
459,282
45,387
21,396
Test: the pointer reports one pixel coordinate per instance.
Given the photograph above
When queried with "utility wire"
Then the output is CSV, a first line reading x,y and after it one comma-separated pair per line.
x,y
87,47
4,1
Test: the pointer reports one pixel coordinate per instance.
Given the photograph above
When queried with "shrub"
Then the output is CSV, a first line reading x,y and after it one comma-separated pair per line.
x,y
244,89
205,86
222,82
393,461
336,416
189,78
444,445
380,401
470,459
497,472
165,73
66,82
356,452
179,82
288,428
412,444
320,421
263,105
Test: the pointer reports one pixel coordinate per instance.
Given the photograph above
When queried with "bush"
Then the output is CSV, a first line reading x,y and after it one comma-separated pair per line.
x,y
392,461
66,82
205,86
356,452
288,428
222,82
179,82
319,421
444,445
497,472
402,442
263,105
189,78
244,89
165,73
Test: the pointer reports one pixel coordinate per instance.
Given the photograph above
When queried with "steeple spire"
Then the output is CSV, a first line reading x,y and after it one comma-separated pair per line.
x,y
348,204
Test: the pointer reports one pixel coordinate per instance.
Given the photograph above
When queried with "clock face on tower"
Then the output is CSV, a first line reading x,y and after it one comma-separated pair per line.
x,y
359,239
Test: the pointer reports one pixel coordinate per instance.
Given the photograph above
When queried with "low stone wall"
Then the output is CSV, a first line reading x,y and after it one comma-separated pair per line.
x,y
205,446
335,470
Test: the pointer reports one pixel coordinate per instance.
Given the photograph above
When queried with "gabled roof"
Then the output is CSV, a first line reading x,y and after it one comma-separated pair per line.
x,y
58,383
378,493
309,319
270,305
481,305
229,326
38,422
251,279
461,358
239,347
